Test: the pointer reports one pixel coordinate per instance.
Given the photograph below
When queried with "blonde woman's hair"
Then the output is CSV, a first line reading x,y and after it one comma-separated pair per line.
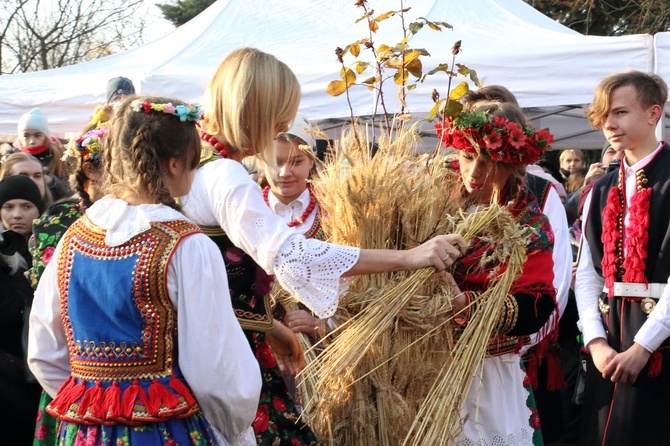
x,y
564,154
22,157
251,97
139,143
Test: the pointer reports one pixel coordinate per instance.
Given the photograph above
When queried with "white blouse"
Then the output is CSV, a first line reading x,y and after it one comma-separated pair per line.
x,y
214,354
224,195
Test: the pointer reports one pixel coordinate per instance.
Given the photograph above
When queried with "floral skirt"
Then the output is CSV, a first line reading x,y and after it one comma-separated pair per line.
x,y
276,422
194,430
46,426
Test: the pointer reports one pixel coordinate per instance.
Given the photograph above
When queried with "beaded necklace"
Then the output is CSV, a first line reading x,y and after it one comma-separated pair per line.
x,y
614,266
300,220
215,143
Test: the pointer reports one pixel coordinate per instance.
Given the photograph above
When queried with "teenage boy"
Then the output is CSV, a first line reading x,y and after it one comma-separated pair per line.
x,y
622,277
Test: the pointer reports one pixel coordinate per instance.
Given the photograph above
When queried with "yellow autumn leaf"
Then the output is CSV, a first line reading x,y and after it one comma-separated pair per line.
x,y
400,77
433,26
415,67
373,26
384,16
393,62
355,49
336,88
361,66
459,91
453,108
348,75
383,50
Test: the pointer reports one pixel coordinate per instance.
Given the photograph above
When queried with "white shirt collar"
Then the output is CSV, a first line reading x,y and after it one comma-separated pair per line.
x,y
296,206
123,221
644,161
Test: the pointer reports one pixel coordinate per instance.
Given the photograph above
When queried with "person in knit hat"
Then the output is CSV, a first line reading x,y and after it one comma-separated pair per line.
x,y
34,138
20,203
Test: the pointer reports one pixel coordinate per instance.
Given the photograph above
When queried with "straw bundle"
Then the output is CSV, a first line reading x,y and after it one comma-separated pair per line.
x,y
393,360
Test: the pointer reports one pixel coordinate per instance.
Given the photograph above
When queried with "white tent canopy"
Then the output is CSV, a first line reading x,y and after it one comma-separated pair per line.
x,y
550,68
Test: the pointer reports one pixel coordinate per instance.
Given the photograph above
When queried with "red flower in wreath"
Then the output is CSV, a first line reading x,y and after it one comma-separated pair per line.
x,y
502,140
262,419
265,356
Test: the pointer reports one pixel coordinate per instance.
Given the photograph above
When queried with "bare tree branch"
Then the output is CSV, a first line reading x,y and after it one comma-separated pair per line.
x,y
43,34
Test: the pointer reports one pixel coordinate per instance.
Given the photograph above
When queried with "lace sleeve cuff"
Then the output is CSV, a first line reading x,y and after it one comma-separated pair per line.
x,y
311,270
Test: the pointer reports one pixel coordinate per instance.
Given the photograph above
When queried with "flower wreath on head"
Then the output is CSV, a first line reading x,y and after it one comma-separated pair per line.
x,y
183,112
87,146
502,140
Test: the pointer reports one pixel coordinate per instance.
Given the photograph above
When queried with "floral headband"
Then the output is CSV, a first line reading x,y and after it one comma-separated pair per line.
x,y
183,112
502,140
87,146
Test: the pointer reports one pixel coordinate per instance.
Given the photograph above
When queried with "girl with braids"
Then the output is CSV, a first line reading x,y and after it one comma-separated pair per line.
x,y
132,330
495,144
251,98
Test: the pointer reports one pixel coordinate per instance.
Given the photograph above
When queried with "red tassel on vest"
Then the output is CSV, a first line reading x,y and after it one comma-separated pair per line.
x,y
184,391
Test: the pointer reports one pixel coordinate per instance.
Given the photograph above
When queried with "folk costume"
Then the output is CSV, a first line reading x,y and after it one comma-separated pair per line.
x,y
118,334
502,381
499,408
256,243
623,296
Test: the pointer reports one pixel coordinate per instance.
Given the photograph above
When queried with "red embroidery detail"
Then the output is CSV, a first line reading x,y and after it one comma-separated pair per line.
x,y
633,267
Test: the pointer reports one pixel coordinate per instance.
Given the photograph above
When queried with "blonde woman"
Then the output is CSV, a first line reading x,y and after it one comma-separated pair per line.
x,y
251,98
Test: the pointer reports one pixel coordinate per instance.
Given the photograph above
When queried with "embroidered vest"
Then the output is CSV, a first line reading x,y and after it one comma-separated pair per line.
x,y
658,252
316,231
249,284
121,328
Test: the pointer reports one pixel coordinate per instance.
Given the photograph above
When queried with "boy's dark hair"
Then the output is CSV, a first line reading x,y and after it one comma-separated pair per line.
x,y
650,90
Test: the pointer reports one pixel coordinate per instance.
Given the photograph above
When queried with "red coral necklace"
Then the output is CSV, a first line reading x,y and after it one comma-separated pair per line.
x,y
215,143
614,267
300,220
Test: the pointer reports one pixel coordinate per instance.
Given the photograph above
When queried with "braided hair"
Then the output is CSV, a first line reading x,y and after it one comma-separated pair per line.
x,y
138,145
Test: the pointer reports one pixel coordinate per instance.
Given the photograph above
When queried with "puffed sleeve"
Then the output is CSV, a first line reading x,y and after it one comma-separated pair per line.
x,y
214,354
223,195
48,356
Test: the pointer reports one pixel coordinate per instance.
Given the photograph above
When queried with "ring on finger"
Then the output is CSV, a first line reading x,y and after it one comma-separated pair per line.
x,y
444,259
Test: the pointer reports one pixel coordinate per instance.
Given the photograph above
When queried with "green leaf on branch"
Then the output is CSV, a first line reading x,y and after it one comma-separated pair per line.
x,y
441,67
415,27
475,79
444,25
459,91
336,88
